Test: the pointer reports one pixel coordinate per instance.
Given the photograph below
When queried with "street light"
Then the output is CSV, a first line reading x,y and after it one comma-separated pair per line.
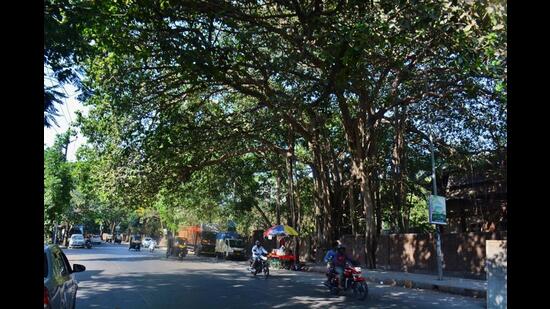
x,y
439,254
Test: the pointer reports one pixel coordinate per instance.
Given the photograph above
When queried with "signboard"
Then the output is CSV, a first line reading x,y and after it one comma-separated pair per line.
x,y
438,212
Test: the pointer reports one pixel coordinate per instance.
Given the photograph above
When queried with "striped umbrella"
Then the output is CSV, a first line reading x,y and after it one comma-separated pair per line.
x,y
280,230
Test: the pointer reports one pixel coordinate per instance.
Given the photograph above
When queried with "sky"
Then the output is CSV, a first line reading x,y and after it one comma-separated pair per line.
x,y
66,116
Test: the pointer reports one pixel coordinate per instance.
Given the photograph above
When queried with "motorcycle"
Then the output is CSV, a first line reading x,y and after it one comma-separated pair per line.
x,y
260,265
152,246
88,243
179,251
352,281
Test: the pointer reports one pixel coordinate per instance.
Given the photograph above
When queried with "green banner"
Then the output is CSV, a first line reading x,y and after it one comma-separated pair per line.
x,y
438,211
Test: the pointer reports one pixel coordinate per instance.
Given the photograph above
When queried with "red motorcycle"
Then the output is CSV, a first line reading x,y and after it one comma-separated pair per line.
x,y
352,281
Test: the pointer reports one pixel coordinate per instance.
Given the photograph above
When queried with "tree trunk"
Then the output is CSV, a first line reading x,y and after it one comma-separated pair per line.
x,y
398,167
378,206
351,201
290,194
290,191
338,194
298,225
278,188
318,215
66,236
325,233
370,229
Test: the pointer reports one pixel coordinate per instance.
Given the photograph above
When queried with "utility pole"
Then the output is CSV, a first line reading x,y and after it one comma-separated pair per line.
x,y
437,228
54,233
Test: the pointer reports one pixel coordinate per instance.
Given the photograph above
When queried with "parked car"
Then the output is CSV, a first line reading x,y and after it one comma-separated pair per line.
x,y
76,241
60,286
96,240
146,242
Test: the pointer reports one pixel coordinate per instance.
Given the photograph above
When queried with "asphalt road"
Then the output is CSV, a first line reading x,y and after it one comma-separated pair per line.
x,y
118,278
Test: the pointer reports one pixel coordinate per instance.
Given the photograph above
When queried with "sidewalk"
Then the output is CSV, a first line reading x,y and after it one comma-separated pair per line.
x,y
460,286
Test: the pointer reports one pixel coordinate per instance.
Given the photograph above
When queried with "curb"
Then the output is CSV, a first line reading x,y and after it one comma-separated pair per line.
x,y
411,284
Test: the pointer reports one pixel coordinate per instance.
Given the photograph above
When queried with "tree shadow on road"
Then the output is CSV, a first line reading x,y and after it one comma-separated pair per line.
x,y
124,259
230,288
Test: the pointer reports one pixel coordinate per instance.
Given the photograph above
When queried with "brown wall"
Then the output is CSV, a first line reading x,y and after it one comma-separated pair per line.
x,y
464,254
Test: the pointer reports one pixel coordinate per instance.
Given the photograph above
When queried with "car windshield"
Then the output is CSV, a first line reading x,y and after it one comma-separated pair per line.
x,y
147,238
236,243
77,237
209,235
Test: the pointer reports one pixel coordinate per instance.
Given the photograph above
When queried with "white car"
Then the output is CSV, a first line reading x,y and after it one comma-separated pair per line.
x,y
146,242
60,284
95,239
76,240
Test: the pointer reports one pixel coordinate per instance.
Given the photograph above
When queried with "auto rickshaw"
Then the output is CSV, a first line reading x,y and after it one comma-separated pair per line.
x,y
178,249
135,242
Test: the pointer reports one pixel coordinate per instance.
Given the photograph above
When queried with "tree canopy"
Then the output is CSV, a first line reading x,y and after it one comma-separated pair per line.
x,y
208,110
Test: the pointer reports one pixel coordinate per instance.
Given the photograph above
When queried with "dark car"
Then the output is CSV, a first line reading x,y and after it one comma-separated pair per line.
x,y
60,286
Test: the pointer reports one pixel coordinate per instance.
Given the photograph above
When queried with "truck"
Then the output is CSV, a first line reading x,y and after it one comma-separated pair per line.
x,y
201,238
230,245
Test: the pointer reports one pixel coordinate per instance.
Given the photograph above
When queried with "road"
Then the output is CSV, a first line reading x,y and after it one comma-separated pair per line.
x,y
118,278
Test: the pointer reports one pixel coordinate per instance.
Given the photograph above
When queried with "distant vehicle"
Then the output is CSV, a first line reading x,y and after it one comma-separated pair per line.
x,y
229,244
152,245
107,237
96,240
202,238
179,249
135,242
60,285
88,243
146,241
76,241
118,239
112,238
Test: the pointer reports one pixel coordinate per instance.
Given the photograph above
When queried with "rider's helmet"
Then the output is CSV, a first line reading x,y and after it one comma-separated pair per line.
x,y
257,242
341,248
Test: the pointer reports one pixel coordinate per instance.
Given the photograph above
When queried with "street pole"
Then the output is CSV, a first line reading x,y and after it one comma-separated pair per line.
x,y
55,233
437,229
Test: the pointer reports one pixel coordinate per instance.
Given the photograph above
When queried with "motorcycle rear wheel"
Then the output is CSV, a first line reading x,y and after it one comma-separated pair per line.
x,y
266,272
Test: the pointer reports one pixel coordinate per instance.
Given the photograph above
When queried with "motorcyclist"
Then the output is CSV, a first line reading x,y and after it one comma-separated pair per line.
x,y
331,253
257,251
339,261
